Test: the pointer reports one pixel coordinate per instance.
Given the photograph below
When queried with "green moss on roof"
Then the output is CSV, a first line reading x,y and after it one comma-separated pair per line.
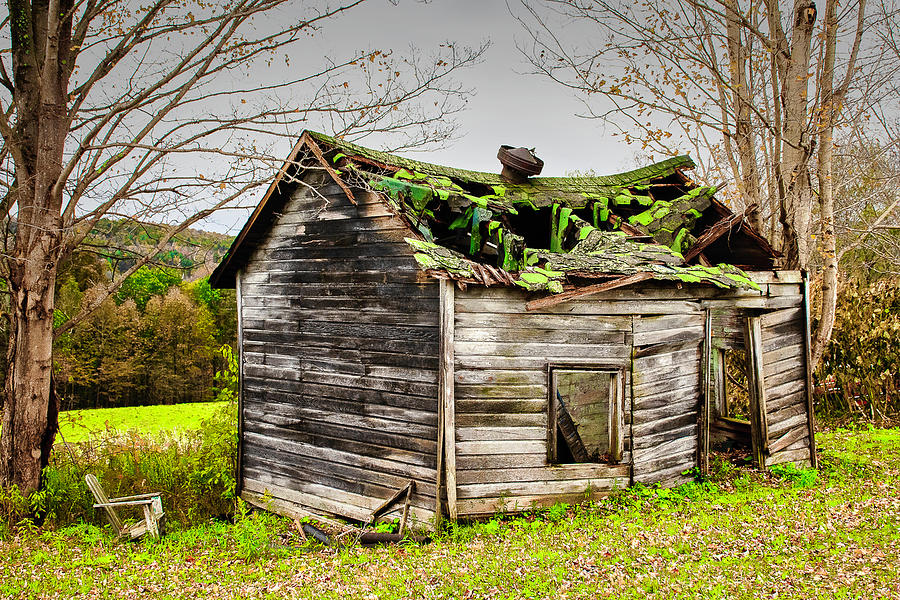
x,y
420,191
612,254
574,192
431,256
670,221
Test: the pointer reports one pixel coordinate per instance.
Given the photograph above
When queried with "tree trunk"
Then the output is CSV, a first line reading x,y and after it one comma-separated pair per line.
x,y
30,408
739,55
797,146
41,46
830,103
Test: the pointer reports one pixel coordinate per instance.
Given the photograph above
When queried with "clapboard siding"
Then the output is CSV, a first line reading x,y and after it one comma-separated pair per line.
x,y
666,378
501,388
784,368
340,339
728,324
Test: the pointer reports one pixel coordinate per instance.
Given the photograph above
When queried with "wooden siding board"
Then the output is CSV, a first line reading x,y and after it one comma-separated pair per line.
x,y
545,487
667,394
352,456
553,473
267,393
501,360
472,434
307,469
364,440
307,406
784,362
266,490
398,422
341,338
501,461
650,389
485,507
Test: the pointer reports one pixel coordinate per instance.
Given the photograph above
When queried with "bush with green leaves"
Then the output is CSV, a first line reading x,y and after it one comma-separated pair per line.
x,y
859,375
227,379
194,471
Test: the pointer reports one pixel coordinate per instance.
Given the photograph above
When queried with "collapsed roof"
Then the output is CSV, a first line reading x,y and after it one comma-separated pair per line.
x,y
539,233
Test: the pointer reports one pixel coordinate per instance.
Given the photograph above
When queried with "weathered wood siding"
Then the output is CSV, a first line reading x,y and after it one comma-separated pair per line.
x,y
785,384
657,332
501,389
668,351
340,342
782,294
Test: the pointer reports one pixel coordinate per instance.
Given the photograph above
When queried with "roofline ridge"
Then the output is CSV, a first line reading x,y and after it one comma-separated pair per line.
x,y
611,179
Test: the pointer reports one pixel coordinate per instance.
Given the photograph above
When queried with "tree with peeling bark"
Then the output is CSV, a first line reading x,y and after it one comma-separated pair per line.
x,y
164,111
757,89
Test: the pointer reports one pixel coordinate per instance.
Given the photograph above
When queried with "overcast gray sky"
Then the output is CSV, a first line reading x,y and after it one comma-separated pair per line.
x,y
509,106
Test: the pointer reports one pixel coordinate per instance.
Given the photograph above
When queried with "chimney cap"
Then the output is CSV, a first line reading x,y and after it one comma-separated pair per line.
x,y
522,161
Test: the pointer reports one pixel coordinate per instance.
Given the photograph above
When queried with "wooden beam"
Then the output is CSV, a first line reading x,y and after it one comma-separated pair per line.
x,y
238,463
759,425
447,403
703,454
630,229
404,492
810,413
590,290
317,152
718,229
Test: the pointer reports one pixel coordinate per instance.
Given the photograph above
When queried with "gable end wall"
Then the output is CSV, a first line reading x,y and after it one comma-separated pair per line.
x,y
339,350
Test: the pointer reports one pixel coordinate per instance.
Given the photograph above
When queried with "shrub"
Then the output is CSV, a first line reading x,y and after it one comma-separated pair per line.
x,y
802,478
194,470
860,371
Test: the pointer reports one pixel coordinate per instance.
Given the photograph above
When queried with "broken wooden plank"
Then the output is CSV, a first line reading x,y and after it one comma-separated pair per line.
x,y
317,152
758,417
447,401
703,442
717,230
404,491
569,431
589,290
810,413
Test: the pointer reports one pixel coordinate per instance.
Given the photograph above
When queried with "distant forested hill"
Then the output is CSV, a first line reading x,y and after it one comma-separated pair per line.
x,y
193,251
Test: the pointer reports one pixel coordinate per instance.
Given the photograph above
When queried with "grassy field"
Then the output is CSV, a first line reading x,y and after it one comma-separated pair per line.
x,y
81,425
834,533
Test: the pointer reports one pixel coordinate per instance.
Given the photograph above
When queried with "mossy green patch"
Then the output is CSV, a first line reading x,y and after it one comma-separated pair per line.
x,y
433,197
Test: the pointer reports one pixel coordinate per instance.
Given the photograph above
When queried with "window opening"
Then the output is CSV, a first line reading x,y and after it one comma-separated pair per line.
x,y
585,411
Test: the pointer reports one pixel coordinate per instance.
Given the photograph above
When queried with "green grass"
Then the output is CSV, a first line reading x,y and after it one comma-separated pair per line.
x,y
797,533
82,425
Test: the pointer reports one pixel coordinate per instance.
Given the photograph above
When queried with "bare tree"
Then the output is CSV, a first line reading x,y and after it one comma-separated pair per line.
x,y
758,89
165,110
867,206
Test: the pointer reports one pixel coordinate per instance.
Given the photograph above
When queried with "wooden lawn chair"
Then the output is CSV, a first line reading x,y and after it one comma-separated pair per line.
x,y
154,518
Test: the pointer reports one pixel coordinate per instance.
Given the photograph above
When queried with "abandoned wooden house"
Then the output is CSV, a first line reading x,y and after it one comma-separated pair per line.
x,y
503,341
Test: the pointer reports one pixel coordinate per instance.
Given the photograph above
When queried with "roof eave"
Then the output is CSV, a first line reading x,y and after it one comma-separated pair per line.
x,y
223,276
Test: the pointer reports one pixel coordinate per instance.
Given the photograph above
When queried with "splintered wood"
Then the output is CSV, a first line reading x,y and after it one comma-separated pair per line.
x,y
585,291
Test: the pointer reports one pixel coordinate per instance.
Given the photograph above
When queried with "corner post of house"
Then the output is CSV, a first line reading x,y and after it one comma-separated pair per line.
x,y
811,415
446,450
240,396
